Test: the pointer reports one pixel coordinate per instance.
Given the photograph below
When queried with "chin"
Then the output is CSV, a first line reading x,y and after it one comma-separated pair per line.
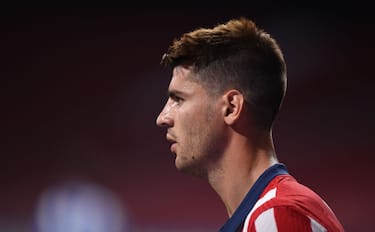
x,y
189,169
181,166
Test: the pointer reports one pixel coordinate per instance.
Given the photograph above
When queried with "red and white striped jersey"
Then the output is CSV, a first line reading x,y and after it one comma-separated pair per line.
x,y
288,206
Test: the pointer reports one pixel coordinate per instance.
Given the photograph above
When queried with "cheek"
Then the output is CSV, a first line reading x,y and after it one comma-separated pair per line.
x,y
199,130
192,127
198,124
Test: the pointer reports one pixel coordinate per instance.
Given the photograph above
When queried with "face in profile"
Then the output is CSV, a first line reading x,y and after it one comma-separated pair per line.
x,y
194,123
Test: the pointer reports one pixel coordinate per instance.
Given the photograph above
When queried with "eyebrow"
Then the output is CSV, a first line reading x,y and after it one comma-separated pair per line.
x,y
173,93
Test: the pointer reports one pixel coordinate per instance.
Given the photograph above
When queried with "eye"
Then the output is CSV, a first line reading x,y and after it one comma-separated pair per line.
x,y
176,98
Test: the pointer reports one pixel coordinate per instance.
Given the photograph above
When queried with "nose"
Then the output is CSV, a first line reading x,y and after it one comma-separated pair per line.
x,y
165,118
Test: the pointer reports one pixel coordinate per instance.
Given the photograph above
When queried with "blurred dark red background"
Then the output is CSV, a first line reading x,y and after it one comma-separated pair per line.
x,y
81,86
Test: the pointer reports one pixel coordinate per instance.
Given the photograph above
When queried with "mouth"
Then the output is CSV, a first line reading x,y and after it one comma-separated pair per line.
x,y
173,143
170,138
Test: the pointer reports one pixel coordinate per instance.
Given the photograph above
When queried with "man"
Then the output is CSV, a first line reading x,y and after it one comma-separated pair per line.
x,y
227,86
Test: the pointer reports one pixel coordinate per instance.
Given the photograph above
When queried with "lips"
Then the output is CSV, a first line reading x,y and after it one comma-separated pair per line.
x,y
170,138
172,141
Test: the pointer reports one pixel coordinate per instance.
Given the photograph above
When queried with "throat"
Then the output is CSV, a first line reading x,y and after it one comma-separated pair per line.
x,y
234,182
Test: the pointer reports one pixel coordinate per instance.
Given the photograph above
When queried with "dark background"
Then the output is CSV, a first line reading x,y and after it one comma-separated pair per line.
x,y
81,87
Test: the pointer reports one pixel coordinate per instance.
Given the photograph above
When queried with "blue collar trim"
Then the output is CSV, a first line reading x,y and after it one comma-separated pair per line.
x,y
238,218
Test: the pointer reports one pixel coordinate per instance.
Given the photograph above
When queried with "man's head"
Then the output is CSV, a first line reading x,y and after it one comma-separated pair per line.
x,y
231,76
235,55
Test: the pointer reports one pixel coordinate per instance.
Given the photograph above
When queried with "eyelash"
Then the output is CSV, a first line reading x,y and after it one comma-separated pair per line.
x,y
176,99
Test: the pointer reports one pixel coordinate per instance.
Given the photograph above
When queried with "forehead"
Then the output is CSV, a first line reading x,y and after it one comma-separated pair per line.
x,y
183,80
182,71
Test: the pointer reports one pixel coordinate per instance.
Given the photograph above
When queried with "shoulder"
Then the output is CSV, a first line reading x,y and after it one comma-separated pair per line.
x,y
282,218
287,205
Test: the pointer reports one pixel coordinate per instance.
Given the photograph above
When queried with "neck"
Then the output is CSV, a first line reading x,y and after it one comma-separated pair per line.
x,y
242,164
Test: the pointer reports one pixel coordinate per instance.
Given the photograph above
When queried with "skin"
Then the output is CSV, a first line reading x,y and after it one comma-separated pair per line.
x,y
214,137
195,144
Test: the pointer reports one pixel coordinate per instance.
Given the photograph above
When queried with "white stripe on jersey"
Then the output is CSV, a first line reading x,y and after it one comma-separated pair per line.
x,y
266,221
316,227
268,196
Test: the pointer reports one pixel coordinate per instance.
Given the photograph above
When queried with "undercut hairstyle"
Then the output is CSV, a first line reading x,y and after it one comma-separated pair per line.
x,y
235,55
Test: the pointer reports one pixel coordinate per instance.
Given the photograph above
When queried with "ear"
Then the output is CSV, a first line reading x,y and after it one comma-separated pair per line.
x,y
234,103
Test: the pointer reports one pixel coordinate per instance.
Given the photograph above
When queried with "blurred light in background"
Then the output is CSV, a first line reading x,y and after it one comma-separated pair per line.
x,y
78,206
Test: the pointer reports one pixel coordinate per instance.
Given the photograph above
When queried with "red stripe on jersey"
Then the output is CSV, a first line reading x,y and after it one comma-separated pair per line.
x,y
294,208
288,220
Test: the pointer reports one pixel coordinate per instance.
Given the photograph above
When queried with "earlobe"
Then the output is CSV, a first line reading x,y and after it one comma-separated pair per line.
x,y
234,101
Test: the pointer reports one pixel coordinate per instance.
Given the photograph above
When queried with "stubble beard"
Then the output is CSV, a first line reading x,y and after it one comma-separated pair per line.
x,y
201,148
